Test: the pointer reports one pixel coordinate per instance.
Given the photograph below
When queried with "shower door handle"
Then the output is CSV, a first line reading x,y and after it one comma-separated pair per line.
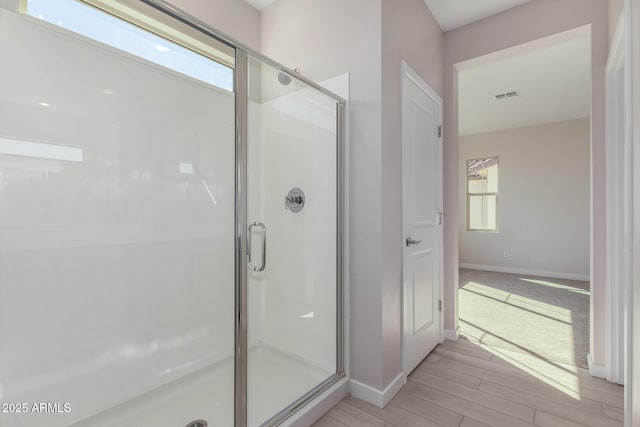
x,y
263,246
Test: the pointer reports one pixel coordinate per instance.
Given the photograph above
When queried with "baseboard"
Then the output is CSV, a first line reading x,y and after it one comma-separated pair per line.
x,y
314,410
541,273
377,397
595,370
452,335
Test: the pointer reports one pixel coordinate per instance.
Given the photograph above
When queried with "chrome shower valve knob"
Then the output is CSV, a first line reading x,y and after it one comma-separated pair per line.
x,y
294,200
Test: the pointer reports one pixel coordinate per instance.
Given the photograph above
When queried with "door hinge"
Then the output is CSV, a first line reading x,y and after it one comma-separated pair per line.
x,y
440,131
440,305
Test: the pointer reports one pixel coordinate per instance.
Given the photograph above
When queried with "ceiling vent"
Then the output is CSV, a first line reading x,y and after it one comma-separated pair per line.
x,y
514,94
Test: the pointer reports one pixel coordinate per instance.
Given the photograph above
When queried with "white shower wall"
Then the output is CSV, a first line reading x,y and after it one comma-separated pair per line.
x,y
116,271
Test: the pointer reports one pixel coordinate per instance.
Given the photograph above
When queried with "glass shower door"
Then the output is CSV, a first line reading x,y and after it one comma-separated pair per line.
x,y
293,241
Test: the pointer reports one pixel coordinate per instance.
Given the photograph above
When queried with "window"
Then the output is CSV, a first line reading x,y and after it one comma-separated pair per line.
x,y
194,60
482,194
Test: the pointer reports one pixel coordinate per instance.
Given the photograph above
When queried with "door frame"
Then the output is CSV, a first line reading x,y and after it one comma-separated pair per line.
x,y
623,68
619,202
408,74
631,11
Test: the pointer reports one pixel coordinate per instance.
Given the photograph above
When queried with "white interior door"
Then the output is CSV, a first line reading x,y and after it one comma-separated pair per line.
x,y
422,217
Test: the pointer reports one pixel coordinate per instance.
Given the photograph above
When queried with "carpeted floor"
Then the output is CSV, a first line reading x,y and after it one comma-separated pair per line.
x,y
545,317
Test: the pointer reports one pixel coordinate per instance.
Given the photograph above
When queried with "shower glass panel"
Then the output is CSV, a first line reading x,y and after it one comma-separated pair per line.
x,y
292,271
117,201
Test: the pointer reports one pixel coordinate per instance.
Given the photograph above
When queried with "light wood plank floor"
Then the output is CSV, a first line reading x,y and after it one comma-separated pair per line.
x,y
465,384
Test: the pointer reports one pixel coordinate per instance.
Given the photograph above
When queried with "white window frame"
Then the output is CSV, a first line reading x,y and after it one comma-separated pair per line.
x,y
470,194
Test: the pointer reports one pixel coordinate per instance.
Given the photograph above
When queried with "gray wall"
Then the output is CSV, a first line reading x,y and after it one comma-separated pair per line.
x,y
409,33
235,18
326,38
366,38
13,5
615,8
543,207
526,23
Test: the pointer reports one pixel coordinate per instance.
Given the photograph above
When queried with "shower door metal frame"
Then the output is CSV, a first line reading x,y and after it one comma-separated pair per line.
x,y
340,371
240,74
241,99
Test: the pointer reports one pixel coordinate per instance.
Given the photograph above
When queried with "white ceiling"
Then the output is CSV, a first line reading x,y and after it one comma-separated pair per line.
x,y
452,14
260,4
552,77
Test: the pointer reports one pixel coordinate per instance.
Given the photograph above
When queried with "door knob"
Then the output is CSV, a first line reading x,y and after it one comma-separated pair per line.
x,y
411,242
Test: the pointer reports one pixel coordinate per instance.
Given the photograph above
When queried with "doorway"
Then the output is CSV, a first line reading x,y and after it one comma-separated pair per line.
x,y
524,197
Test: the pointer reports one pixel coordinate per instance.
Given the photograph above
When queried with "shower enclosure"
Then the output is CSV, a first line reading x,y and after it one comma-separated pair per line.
x,y
170,223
